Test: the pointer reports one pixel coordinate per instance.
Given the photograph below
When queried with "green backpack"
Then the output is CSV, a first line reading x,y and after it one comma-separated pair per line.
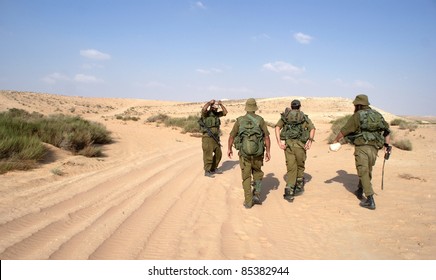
x,y
372,124
293,125
249,140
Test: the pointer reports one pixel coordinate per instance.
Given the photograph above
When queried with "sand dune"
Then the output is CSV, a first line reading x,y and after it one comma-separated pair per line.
x,y
147,197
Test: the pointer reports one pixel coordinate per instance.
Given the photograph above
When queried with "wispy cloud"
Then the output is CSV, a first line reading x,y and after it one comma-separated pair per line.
x,y
53,78
283,67
95,54
82,78
200,5
303,38
262,36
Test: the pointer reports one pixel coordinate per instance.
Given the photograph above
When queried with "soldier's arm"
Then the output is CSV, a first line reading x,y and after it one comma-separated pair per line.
x,y
223,108
268,147
207,105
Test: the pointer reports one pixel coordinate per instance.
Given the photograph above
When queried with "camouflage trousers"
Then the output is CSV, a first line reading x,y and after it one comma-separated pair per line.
x,y
295,157
251,167
365,157
212,153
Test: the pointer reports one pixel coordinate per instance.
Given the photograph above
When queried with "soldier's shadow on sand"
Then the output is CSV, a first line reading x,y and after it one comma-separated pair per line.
x,y
349,181
228,165
269,183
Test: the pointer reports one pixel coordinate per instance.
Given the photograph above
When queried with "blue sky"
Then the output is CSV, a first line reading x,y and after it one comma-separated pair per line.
x,y
187,50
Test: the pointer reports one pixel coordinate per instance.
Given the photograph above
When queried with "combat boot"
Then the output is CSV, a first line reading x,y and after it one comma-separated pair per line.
x,y
256,199
288,196
359,193
368,203
299,187
256,192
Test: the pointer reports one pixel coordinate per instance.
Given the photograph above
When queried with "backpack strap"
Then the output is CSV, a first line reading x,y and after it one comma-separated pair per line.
x,y
253,119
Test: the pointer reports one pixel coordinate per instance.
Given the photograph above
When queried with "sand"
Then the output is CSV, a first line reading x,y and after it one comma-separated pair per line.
x,y
147,198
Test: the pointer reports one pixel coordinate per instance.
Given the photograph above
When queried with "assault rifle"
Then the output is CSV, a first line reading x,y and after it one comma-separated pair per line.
x,y
209,132
387,155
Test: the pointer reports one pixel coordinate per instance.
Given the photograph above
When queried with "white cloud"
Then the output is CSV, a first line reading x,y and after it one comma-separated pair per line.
x,y
303,38
94,54
54,78
282,67
82,78
200,5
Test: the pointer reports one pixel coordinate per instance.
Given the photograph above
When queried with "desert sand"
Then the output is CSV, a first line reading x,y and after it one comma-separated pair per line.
x,y
147,198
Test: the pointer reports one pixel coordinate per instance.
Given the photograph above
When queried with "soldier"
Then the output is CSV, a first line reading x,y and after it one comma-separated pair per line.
x,y
251,137
367,130
294,134
210,125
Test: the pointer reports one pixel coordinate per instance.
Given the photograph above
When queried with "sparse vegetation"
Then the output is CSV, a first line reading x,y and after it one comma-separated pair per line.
x,y
403,124
22,135
187,124
403,144
336,127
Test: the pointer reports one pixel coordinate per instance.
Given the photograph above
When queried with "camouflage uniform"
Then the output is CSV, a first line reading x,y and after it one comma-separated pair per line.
x,y
251,166
212,153
295,155
365,152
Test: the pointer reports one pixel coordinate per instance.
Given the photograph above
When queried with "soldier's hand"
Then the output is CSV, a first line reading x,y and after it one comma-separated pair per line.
x,y
230,153
267,156
282,145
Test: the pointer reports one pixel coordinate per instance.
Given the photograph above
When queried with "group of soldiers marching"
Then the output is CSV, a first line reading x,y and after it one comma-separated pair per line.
x,y
366,129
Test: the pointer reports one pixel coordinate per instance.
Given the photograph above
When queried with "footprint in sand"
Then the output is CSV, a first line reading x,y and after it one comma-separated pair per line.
x,y
242,235
254,221
264,242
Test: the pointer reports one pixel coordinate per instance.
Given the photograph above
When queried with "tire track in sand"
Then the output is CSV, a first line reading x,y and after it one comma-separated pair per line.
x,y
39,235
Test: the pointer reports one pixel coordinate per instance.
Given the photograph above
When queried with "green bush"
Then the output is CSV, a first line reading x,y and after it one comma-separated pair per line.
x,y
187,124
397,122
22,134
158,118
336,128
409,126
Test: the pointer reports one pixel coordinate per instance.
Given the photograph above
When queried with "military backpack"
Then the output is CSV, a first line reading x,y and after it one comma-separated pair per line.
x,y
249,140
293,127
372,125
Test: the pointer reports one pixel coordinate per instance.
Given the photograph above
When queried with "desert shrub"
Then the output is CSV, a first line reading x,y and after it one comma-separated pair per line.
x,y
18,150
158,118
397,122
336,127
408,125
91,151
403,144
188,125
22,134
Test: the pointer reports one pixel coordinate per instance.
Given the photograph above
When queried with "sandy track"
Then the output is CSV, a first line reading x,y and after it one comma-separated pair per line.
x,y
148,199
